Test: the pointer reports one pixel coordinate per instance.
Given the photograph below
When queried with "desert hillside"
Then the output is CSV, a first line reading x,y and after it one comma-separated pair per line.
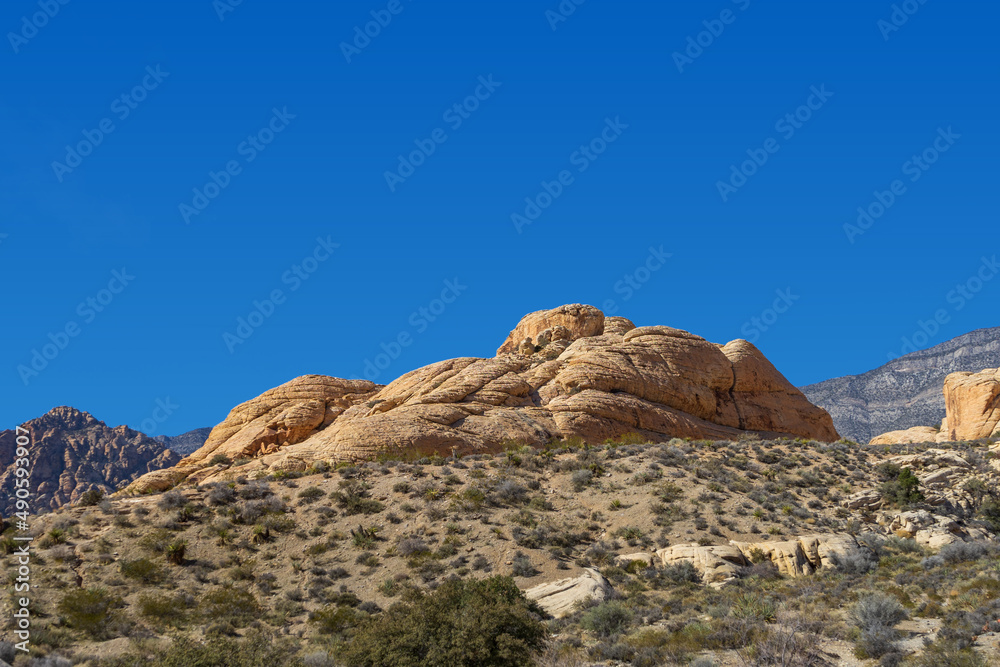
x,y
704,552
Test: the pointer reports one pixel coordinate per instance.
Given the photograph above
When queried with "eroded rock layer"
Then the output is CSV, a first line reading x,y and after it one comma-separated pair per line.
x,y
565,373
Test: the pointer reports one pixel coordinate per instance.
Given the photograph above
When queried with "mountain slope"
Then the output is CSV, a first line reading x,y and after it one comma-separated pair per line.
x,y
70,452
906,392
185,443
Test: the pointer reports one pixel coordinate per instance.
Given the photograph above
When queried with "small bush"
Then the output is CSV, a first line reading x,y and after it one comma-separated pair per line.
x,y
608,619
470,623
90,610
233,605
222,494
92,497
522,566
856,561
875,615
141,569
172,500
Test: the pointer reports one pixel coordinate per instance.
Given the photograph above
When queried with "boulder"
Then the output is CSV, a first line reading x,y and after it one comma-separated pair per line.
x,y
717,565
561,598
575,320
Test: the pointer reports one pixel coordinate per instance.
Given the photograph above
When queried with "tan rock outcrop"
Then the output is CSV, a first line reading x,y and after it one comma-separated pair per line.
x,y
717,565
576,320
580,375
802,556
972,401
561,598
972,404
917,434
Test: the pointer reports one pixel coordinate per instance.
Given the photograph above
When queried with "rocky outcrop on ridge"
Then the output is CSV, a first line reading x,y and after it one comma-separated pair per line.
x,y
564,373
71,452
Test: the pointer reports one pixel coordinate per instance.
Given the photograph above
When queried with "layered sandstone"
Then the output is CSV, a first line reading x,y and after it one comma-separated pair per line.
x,y
565,373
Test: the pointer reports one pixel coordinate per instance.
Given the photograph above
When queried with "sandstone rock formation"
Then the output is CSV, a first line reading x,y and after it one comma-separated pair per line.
x,y
972,404
719,565
71,452
911,435
560,598
906,392
569,372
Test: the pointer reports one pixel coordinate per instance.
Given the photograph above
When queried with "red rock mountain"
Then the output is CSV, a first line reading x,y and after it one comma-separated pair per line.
x,y
569,372
70,452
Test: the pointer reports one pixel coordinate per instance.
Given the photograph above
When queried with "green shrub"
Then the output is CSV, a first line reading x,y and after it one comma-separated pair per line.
x,y
91,497
484,623
90,610
162,609
257,650
230,604
141,569
875,615
336,620
904,490
608,619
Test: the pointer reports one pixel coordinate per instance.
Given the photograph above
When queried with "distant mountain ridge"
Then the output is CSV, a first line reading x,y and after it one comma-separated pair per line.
x,y
71,452
906,392
185,443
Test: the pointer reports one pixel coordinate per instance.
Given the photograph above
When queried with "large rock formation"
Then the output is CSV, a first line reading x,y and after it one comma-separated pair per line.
x,y
972,402
568,372
905,392
972,412
70,452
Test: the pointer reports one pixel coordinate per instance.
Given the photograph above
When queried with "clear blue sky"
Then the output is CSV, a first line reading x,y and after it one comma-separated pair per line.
x,y
268,93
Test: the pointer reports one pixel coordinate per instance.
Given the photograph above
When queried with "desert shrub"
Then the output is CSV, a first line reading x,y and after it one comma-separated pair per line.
x,y
754,607
141,569
411,546
50,661
222,494
580,479
508,492
485,623
172,500
681,572
875,615
310,494
255,491
92,497
353,498
230,604
608,619
336,620
904,490
257,650
961,552
7,652
522,566
219,459
175,552
162,609
90,610
855,561
947,654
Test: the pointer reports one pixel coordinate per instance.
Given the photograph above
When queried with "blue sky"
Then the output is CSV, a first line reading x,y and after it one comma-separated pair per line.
x,y
212,153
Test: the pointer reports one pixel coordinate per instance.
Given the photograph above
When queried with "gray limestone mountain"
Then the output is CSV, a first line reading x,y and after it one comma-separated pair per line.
x,y
185,443
906,392
71,452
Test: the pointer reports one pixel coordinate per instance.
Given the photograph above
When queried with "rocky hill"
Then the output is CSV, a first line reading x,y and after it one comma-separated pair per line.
x,y
185,443
71,452
566,373
727,553
905,392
